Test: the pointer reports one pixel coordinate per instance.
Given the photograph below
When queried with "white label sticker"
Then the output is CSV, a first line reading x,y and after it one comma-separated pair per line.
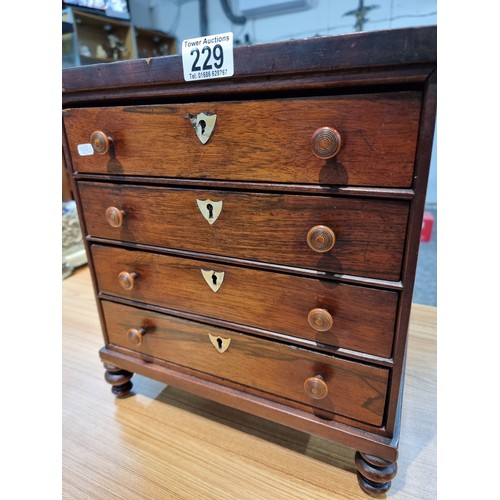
x,y
85,149
208,57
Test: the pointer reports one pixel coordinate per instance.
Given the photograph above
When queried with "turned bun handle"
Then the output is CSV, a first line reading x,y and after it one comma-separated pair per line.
x,y
135,335
325,143
320,319
114,216
316,387
100,142
320,238
127,280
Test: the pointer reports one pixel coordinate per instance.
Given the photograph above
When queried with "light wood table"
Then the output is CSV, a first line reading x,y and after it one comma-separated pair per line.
x,y
162,443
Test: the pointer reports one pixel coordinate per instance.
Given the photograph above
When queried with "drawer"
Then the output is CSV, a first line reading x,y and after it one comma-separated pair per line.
x,y
264,140
368,234
347,316
346,388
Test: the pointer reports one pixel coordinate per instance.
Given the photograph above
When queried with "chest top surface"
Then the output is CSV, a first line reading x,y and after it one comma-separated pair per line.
x,y
369,58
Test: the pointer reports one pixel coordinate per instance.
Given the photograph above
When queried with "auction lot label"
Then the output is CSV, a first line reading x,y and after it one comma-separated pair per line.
x,y
208,57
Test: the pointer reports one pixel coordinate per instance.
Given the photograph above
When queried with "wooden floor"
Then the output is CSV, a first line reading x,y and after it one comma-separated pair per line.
x,y
162,443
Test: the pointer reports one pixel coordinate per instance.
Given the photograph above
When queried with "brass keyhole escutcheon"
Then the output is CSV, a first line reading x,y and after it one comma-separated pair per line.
x,y
220,343
213,278
210,209
203,124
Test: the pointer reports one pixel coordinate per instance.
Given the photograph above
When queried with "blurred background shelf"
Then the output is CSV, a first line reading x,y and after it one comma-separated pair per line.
x,y
89,38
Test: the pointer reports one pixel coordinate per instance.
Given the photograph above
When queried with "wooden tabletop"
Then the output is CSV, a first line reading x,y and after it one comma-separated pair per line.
x,y
162,443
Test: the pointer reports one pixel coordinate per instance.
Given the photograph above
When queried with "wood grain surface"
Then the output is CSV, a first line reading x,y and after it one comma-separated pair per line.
x,y
363,318
261,140
355,390
384,56
162,443
370,234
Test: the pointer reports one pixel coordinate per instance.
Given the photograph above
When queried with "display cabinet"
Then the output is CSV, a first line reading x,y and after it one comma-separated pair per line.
x,y
90,38
153,43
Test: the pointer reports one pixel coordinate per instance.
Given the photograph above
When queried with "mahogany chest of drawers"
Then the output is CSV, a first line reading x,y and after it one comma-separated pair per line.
x,y
254,239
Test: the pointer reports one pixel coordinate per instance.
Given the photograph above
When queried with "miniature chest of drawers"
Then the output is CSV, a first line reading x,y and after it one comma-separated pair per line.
x,y
254,239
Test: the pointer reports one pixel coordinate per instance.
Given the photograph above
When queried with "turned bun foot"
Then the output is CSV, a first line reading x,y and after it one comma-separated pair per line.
x,y
119,380
374,474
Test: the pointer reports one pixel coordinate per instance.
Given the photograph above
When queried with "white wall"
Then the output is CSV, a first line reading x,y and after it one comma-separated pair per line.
x,y
324,17
181,18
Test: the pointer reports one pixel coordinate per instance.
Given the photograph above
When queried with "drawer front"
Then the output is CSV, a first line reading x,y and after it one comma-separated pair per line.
x,y
345,316
266,140
353,390
368,234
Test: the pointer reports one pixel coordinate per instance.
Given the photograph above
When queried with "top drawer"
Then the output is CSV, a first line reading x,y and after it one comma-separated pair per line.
x,y
262,140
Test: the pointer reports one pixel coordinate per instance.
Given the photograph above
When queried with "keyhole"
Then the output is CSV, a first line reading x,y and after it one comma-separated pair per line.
x,y
202,124
219,343
210,209
214,279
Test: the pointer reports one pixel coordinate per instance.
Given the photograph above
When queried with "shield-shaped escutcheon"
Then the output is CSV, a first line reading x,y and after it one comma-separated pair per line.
x,y
210,209
220,343
203,124
213,278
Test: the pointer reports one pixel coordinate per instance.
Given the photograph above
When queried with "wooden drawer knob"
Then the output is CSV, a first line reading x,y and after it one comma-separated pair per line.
x,y
320,319
135,335
320,239
127,280
100,142
114,216
316,387
325,143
